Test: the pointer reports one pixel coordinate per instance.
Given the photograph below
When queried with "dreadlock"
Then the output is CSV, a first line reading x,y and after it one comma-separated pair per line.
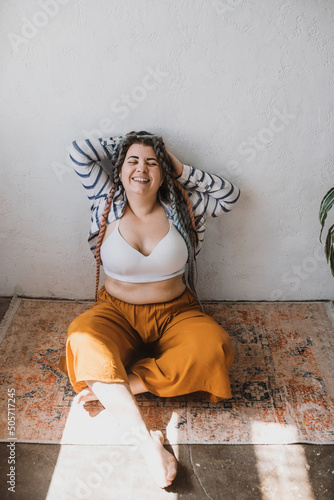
x,y
170,190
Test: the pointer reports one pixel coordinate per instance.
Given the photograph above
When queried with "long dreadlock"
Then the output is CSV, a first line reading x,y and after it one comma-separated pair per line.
x,y
170,190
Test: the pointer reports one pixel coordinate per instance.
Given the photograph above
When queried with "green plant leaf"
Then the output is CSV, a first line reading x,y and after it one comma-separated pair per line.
x,y
329,248
326,204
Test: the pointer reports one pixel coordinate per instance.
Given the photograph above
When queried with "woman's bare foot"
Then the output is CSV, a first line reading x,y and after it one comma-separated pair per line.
x,y
161,463
84,396
87,394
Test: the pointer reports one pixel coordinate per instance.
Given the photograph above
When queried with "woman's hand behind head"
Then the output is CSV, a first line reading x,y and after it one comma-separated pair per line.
x,y
177,165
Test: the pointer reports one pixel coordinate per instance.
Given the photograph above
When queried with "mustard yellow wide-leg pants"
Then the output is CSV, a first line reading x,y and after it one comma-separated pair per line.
x,y
173,347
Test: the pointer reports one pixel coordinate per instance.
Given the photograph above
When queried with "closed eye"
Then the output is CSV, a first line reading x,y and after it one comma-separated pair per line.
x,y
149,164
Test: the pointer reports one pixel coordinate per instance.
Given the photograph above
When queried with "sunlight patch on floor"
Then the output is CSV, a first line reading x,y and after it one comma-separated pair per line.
x,y
282,469
272,433
173,432
104,471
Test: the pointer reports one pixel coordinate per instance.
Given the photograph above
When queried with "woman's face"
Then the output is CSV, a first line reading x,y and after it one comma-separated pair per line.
x,y
141,172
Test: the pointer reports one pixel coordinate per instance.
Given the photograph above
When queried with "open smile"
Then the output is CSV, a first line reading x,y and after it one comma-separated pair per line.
x,y
140,179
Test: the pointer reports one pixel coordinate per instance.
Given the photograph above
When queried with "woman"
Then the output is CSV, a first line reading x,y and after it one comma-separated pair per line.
x,y
147,226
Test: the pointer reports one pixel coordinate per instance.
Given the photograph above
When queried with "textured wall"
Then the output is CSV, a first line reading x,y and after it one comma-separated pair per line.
x,y
238,87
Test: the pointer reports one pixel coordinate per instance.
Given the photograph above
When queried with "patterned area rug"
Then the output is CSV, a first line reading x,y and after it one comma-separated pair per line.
x,y
282,380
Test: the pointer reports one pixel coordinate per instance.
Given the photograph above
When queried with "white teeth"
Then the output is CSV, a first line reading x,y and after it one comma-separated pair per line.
x,y
140,179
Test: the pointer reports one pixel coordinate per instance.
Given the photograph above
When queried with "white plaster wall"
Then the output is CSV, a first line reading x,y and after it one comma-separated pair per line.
x,y
228,71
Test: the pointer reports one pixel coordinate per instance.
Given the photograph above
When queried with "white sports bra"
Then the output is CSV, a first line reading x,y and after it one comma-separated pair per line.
x,y
122,262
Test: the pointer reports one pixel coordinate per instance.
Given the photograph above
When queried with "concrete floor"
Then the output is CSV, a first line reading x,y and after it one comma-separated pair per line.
x,y
217,472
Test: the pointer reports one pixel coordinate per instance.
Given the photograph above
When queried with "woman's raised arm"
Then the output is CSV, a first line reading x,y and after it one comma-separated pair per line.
x,y
209,194
86,156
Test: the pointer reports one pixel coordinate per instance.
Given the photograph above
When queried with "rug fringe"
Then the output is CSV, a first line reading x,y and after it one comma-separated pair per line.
x,y
259,442
9,315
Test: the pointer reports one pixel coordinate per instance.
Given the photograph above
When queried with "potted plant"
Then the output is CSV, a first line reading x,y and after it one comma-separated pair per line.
x,y
326,204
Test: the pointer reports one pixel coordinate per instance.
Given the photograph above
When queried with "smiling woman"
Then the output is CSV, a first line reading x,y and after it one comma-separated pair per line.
x,y
146,331
147,248
141,167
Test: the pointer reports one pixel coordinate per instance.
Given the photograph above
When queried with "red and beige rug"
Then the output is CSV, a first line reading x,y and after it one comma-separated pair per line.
x,y
282,380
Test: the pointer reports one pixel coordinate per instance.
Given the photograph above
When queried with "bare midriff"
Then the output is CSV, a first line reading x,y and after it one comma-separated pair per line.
x,y
145,293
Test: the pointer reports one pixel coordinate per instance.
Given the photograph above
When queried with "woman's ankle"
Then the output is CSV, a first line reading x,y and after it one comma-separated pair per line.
x,y
136,385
